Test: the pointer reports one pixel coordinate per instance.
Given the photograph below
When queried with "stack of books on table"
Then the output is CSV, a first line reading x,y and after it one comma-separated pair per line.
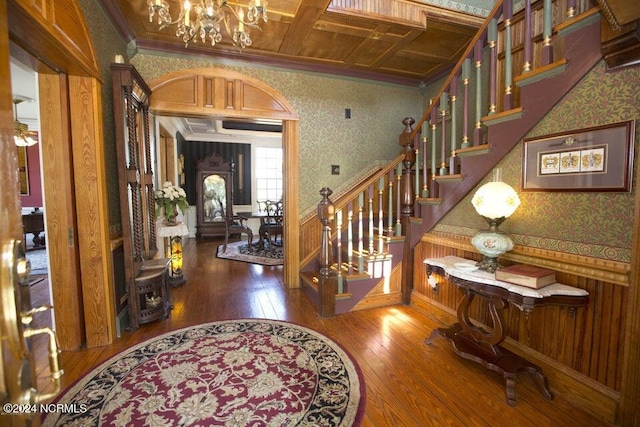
x,y
526,275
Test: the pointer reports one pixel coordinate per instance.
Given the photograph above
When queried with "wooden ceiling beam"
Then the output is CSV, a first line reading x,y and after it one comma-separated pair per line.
x,y
397,48
305,18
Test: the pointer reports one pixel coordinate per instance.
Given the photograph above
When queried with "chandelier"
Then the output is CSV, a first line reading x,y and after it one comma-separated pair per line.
x,y
209,15
22,136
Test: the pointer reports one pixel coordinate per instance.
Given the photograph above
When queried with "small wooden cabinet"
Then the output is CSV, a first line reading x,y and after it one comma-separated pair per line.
x,y
214,192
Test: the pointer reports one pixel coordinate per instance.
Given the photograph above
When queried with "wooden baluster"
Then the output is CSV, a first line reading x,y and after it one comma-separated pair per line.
x,y
390,197
434,123
350,237
454,125
547,49
507,13
372,233
492,38
398,199
425,169
360,232
477,57
466,75
380,214
327,281
417,185
527,37
339,281
444,105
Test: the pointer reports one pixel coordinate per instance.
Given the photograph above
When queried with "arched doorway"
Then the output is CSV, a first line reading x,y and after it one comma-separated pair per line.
x,y
225,93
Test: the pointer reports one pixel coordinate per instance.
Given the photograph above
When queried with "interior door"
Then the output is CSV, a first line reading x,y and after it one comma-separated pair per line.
x,y
17,376
16,369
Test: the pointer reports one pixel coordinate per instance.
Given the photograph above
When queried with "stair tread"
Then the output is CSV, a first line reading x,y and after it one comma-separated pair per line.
x,y
473,151
449,178
429,200
541,73
513,114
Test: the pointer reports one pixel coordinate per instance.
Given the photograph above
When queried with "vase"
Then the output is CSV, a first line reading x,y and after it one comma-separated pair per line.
x,y
173,220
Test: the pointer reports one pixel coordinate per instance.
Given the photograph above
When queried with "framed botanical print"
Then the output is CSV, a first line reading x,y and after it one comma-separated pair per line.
x,y
592,159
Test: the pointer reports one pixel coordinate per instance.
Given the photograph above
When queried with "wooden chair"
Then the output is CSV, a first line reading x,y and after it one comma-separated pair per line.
x,y
271,224
237,224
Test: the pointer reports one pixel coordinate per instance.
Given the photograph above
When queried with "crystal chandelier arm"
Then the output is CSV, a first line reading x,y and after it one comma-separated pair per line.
x,y
161,7
252,18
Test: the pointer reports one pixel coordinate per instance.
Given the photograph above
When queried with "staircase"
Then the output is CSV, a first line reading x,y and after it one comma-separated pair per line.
x,y
364,256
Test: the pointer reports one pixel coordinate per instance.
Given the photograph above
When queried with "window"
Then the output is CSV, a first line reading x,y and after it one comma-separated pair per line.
x,y
267,162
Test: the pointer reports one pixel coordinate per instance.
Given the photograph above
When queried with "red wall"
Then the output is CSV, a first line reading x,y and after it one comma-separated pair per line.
x,y
34,199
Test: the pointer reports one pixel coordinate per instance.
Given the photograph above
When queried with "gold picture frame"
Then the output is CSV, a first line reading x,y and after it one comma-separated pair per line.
x,y
23,171
590,159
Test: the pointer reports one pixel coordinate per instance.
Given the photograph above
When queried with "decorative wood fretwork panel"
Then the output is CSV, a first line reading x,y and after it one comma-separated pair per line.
x,y
135,175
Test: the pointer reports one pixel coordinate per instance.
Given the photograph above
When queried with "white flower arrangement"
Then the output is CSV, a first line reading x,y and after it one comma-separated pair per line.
x,y
170,198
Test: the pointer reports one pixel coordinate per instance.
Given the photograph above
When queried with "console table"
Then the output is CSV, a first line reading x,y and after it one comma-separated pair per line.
x,y
483,347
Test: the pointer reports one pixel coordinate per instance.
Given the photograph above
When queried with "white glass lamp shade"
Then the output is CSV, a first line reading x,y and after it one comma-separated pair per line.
x,y
24,141
494,201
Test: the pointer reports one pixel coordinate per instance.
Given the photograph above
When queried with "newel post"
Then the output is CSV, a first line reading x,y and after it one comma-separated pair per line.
x,y
407,200
327,285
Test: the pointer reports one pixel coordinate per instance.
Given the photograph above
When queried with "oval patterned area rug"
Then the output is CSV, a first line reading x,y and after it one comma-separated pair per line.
x,y
229,373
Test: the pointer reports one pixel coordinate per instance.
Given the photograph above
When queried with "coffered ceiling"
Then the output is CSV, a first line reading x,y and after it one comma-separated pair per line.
x,y
399,41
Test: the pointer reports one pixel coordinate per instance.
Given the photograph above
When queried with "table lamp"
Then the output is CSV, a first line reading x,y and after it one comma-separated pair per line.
x,y
494,201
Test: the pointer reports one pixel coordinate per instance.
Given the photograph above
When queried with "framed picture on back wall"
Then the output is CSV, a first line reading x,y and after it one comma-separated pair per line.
x,y
23,171
592,159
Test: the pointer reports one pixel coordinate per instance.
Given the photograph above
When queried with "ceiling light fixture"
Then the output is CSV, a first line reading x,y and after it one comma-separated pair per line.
x,y
22,136
209,15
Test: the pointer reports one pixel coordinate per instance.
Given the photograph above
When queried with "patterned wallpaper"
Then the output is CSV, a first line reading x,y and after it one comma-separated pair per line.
x,y
597,224
326,137
592,224
107,43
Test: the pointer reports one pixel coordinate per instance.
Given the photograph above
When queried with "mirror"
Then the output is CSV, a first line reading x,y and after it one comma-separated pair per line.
x,y
215,198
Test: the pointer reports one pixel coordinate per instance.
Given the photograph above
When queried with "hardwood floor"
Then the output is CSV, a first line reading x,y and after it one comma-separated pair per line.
x,y
407,382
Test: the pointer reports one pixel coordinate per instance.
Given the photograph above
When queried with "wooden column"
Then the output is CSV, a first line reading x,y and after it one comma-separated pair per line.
x,y
327,285
407,199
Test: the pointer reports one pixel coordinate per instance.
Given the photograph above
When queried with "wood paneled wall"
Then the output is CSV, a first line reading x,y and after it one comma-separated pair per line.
x,y
582,348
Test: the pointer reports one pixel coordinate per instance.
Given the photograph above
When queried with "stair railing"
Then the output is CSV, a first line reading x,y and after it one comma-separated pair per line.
x,y
486,79
410,177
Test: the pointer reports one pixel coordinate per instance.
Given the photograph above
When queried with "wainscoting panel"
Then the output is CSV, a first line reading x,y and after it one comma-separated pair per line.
x,y
580,348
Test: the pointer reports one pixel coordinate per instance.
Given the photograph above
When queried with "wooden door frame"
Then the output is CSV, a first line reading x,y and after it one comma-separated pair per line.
x,y
219,92
73,149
